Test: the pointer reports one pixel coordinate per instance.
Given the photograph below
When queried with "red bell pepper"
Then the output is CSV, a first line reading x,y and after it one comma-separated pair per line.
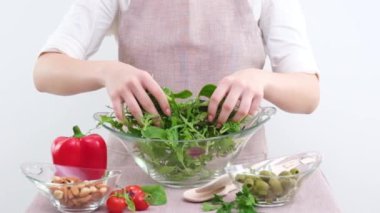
x,y
85,151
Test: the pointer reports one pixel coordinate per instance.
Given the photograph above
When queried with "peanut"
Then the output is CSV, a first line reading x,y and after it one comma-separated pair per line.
x,y
73,179
75,190
58,194
93,189
103,190
65,195
81,185
100,185
56,179
70,194
53,188
84,192
84,200
75,202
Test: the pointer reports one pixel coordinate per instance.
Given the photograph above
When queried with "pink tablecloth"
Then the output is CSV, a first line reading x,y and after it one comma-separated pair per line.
x,y
314,196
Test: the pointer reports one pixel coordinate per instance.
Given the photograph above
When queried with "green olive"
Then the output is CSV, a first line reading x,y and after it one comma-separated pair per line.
x,y
255,178
266,175
249,182
288,184
294,171
285,173
276,186
240,178
261,188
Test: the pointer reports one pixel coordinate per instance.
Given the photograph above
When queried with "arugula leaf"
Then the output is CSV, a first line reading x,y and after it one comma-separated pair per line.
x,y
115,124
156,194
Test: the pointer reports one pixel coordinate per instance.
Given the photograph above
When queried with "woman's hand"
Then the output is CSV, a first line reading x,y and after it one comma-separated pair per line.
x,y
62,75
128,85
243,90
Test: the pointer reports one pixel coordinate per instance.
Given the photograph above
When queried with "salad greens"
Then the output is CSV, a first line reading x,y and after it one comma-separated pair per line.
x,y
244,203
188,122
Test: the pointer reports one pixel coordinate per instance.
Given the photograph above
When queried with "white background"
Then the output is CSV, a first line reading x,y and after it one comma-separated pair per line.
x,y
343,33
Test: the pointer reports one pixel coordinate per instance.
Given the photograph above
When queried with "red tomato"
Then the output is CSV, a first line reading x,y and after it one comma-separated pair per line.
x,y
116,204
134,190
140,203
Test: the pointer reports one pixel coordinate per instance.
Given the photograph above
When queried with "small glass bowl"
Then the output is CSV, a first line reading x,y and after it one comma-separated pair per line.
x,y
274,182
68,188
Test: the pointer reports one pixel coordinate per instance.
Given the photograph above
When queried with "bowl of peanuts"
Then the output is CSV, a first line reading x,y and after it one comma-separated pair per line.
x,y
67,187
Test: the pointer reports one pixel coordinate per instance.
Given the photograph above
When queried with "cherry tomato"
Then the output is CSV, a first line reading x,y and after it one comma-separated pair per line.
x,y
140,202
134,190
116,204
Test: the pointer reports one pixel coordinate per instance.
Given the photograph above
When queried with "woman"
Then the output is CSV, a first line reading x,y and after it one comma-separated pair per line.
x,y
184,45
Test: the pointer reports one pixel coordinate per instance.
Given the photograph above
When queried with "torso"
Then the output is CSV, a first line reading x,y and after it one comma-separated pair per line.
x,y
187,44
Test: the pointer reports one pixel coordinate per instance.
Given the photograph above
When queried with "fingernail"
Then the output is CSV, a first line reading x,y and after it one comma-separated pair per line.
x,y
210,118
168,112
218,125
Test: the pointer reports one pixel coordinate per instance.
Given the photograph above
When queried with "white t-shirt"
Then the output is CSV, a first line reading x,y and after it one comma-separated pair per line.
x,y
281,21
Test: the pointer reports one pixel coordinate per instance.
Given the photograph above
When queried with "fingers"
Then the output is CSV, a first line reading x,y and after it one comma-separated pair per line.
x,y
117,107
144,99
229,104
152,86
215,100
255,104
133,105
146,103
245,105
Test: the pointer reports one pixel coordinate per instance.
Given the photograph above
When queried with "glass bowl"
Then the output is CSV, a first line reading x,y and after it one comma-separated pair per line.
x,y
189,163
274,182
65,188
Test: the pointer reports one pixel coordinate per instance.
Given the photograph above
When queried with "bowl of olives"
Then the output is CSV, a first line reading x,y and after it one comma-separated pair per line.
x,y
274,182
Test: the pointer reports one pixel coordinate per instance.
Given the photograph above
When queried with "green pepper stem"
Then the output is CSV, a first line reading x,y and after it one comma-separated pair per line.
x,y
77,132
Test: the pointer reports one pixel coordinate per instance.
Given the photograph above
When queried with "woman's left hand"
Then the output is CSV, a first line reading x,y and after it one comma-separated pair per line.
x,y
245,86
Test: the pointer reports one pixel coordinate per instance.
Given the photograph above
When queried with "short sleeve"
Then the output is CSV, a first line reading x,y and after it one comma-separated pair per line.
x,y
83,28
285,38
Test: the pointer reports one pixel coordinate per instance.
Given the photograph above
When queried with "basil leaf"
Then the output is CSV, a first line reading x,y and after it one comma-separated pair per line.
x,y
207,90
183,94
155,194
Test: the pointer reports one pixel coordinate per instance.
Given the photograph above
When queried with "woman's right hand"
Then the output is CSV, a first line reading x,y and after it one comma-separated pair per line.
x,y
128,85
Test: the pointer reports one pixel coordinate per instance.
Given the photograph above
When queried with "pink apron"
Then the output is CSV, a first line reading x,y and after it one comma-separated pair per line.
x,y
188,43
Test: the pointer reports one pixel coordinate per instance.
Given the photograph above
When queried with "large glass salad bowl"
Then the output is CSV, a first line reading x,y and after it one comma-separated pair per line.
x,y
189,163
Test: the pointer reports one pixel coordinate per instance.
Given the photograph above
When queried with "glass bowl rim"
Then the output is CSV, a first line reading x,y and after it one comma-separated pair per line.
x,y
268,111
115,173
